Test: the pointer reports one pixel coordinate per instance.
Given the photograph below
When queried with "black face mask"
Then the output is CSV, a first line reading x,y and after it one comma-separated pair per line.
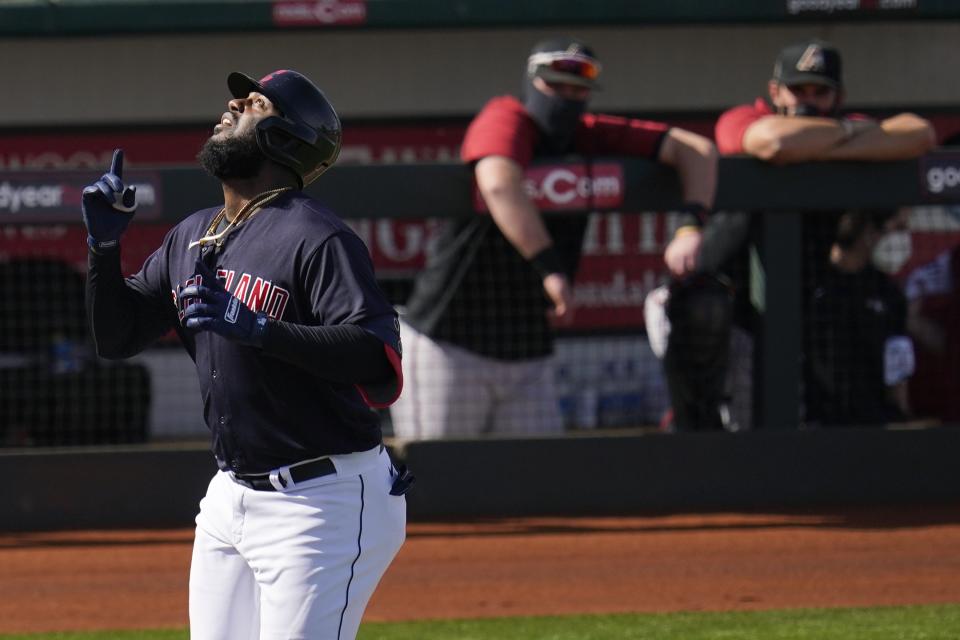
x,y
557,117
237,157
811,111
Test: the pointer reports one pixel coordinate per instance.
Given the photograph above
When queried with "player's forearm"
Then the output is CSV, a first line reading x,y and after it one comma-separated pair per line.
x,y
694,158
901,137
122,323
783,140
522,225
500,181
516,217
724,234
345,354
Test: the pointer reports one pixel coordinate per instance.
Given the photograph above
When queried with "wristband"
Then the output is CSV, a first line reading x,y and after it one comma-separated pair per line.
x,y
848,128
686,229
547,261
101,248
692,214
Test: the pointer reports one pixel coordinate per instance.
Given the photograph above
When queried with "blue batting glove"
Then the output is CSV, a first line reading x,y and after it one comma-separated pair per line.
x,y
108,206
218,311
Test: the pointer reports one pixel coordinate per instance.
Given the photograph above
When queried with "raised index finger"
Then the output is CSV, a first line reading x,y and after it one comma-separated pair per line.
x,y
116,167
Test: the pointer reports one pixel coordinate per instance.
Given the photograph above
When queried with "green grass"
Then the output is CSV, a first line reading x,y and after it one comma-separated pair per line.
x,y
940,622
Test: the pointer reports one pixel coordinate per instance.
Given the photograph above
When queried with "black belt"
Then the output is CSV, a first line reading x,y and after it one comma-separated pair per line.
x,y
299,473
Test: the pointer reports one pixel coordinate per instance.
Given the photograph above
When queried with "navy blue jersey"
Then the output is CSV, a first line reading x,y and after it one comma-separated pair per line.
x,y
301,264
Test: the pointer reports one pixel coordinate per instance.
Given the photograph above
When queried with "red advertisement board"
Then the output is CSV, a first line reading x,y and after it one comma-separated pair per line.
x,y
178,147
622,257
319,13
166,146
860,8
571,187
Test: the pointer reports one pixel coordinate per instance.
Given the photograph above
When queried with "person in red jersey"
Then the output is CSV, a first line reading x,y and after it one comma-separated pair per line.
x,y
477,323
801,119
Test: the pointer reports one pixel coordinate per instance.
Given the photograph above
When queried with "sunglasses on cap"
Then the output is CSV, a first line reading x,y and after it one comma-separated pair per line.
x,y
562,62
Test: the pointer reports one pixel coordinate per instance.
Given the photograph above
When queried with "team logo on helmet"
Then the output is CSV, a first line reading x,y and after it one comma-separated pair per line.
x,y
270,76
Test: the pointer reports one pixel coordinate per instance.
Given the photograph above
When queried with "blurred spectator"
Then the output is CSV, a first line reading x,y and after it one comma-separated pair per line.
x,y
478,342
933,320
800,120
858,356
690,325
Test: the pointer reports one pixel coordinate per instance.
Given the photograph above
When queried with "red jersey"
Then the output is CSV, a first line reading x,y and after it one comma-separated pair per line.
x,y
733,123
503,128
476,291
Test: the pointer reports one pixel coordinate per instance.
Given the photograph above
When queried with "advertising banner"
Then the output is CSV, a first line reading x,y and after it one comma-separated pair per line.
x,y
622,256
940,176
571,187
37,197
319,13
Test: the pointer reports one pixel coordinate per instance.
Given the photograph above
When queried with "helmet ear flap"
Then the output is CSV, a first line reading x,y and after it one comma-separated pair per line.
x,y
297,146
290,128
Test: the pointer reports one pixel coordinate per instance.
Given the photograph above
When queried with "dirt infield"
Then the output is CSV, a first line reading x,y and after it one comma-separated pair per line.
x,y
100,580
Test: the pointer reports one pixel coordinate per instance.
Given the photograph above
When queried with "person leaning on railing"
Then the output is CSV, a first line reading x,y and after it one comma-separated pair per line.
x,y
478,340
801,120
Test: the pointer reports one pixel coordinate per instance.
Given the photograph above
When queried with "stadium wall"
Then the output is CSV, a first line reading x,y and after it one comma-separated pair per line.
x,y
595,474
435,73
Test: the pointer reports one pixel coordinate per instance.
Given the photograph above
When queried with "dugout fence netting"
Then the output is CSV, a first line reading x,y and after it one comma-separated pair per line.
x,y
881,313
880,343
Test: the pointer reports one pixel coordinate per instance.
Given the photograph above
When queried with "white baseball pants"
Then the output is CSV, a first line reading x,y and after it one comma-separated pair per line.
x,y
296,564
450,392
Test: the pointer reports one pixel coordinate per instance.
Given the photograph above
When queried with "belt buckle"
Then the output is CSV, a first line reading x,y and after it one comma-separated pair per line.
x,y
280,478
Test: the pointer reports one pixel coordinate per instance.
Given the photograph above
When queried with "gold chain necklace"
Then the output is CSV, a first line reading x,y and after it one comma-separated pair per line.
x,y
246,212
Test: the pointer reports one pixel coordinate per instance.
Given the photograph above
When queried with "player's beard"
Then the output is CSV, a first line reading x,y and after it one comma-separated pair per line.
x,y
235,157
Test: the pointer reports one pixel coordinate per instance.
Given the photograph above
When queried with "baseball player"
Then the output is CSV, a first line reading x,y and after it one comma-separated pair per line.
x,y
476,327
275,300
